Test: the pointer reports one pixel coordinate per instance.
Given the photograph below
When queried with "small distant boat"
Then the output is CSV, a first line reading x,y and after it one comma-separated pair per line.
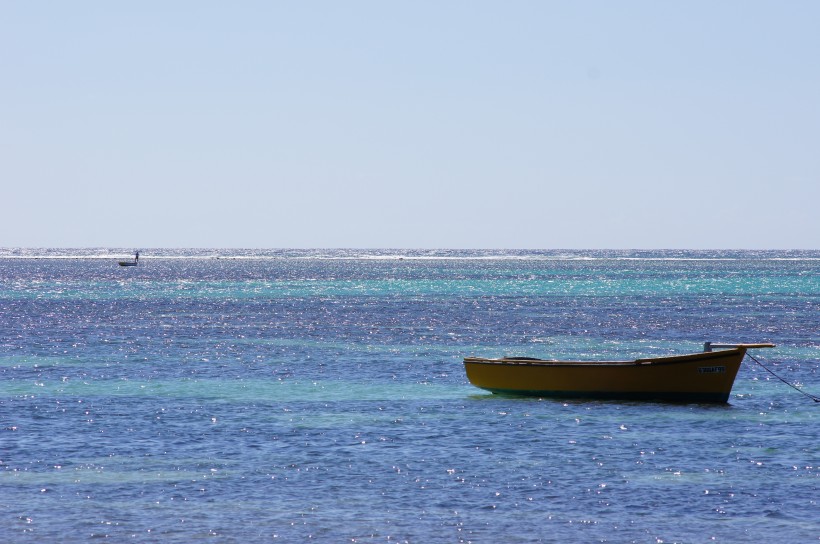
x,y
135,262
699,377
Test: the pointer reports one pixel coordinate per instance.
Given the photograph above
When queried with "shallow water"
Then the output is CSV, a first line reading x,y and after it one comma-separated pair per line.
x,y
261,395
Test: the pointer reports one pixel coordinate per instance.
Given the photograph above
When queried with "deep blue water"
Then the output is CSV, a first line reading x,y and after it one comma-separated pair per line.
x,y
287,395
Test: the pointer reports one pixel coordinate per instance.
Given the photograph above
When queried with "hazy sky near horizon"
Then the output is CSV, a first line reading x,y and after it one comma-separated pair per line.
x,y
446,124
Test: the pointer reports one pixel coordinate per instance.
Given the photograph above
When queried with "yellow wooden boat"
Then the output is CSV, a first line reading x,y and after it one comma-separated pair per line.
x,y
697,377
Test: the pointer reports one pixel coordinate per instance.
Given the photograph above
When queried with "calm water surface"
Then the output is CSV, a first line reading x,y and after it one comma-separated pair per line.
x,y
292,395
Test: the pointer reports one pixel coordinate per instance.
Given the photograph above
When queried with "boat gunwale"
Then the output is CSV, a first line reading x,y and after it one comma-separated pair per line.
x,y
653,361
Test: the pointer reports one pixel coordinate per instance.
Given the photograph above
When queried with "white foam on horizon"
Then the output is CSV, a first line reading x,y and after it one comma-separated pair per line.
x,y
348,255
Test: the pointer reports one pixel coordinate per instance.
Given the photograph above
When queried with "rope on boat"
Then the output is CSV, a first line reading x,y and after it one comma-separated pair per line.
x,y
812,397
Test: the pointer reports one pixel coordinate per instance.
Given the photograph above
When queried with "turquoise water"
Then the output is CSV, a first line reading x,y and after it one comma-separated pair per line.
x,y
288,395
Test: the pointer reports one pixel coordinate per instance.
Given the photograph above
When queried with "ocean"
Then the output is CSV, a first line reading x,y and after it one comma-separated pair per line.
x,y
319,395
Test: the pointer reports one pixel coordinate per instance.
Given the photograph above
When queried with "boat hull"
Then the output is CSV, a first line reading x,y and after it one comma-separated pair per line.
x,y
700,377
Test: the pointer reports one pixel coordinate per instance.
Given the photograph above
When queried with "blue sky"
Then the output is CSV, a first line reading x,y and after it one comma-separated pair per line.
x,y
519,124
